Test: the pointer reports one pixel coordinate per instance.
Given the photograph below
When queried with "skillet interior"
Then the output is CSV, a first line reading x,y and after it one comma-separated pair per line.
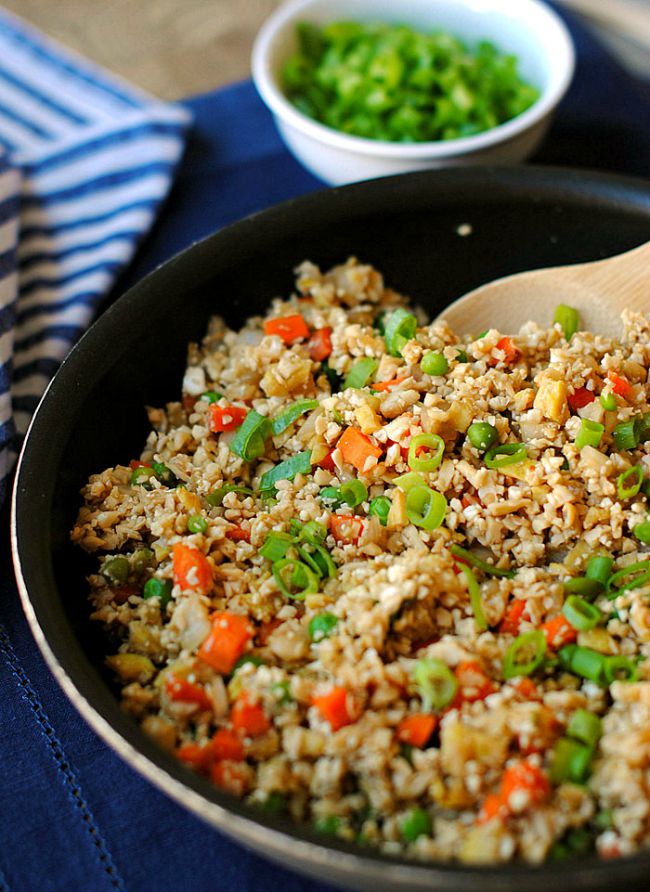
x,y
93,417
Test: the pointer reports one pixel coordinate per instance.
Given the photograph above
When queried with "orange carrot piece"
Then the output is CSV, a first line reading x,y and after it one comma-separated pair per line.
x,y
183,691
473,683
346,528
238,534
226,642
492,808
249,718
416,729
327,463
289,328
523,777
580,398
510,623
527,688
320,344
227,418
337,707
511,353
558,632
191,569
620,385
386,385
231,776
196,756
356,448
227,745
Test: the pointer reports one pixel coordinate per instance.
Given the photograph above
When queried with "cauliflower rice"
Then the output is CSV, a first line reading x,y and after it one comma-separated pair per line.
x,y
354,669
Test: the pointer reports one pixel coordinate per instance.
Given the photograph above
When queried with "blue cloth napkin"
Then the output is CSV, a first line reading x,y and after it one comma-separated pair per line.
x,y
74,817
85,163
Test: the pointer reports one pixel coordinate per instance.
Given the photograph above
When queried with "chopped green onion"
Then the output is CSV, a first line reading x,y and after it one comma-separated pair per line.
x,y
435,682
210,396
158,588
141,559
354,492
425,507
249,441
565,655
281,692
568,318
322,626
248,660
294,578
581,614
587,588
313,532
400,329
275,803
329,824
196,523
642,532
482,435
583,661
624,488
116,570
461,356
287,470
406,482
416,823
215,498
287,417
319,559
590,433
608,402
506,454
163,473
525,654
360,373
603,819
479,563
639,574
434,364
617,664
599,568
331,494
380,507
642,427
625,435
432,443
475,599
585,726
571,761
276,545
142,477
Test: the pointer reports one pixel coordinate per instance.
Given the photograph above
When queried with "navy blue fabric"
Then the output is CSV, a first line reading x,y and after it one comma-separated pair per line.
x,y
72,815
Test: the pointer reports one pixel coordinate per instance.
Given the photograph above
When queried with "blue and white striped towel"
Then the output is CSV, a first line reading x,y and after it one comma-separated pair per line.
x,y
85,163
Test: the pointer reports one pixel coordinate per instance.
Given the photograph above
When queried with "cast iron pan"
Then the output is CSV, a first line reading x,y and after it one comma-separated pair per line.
x,y
92,416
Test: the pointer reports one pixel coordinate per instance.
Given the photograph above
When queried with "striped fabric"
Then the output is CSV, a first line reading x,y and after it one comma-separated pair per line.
x,y
85,162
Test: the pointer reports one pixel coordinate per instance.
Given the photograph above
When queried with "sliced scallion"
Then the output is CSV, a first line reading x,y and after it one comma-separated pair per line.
x,y
435,682
215,498
629,482
479,563
590,433
360,373
354,492
586,588
608,402
625,435
425,507
599,568
433,445
581,614
249,441
287,417
294,578
630,577
287,470
276,545
506,454
475,599
400,328
525,654
380,507
619,668
585,726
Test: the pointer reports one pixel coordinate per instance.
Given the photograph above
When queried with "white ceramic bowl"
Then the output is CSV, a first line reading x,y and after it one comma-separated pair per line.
x,y
527,28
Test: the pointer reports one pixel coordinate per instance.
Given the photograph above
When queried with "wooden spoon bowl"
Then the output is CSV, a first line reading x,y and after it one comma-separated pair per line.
x,y
600,291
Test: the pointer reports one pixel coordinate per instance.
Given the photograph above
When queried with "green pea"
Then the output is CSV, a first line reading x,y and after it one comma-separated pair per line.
x,y
322,626
482,435
210,396
416,823
158,588
116,570
434,364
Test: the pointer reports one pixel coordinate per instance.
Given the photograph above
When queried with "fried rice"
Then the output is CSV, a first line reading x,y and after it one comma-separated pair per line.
x,y
389,579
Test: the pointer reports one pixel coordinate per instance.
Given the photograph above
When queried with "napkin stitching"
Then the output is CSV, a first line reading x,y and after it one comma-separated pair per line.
x,y
63,762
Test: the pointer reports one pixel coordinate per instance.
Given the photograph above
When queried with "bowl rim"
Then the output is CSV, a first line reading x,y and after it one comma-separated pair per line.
x,y
275,837
563,68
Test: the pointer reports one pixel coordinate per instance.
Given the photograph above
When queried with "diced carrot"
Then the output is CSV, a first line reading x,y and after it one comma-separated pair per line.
x,y
473,683
249,718
184,691
510,623
356,448
231,776
416,729
122,593
558,631
386,385
327,463
337,707
346,528
580,398
227,418
523,777
238,534
227,745
510,352
620,385
320,344
492,808
196,756
226,642
526,688
191,568
289,328
138,464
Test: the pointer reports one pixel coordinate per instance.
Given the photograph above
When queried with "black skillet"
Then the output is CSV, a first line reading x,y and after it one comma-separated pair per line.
x,y
92,417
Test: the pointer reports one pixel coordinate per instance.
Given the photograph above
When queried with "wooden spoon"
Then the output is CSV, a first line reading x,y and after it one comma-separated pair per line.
x,y
599,291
